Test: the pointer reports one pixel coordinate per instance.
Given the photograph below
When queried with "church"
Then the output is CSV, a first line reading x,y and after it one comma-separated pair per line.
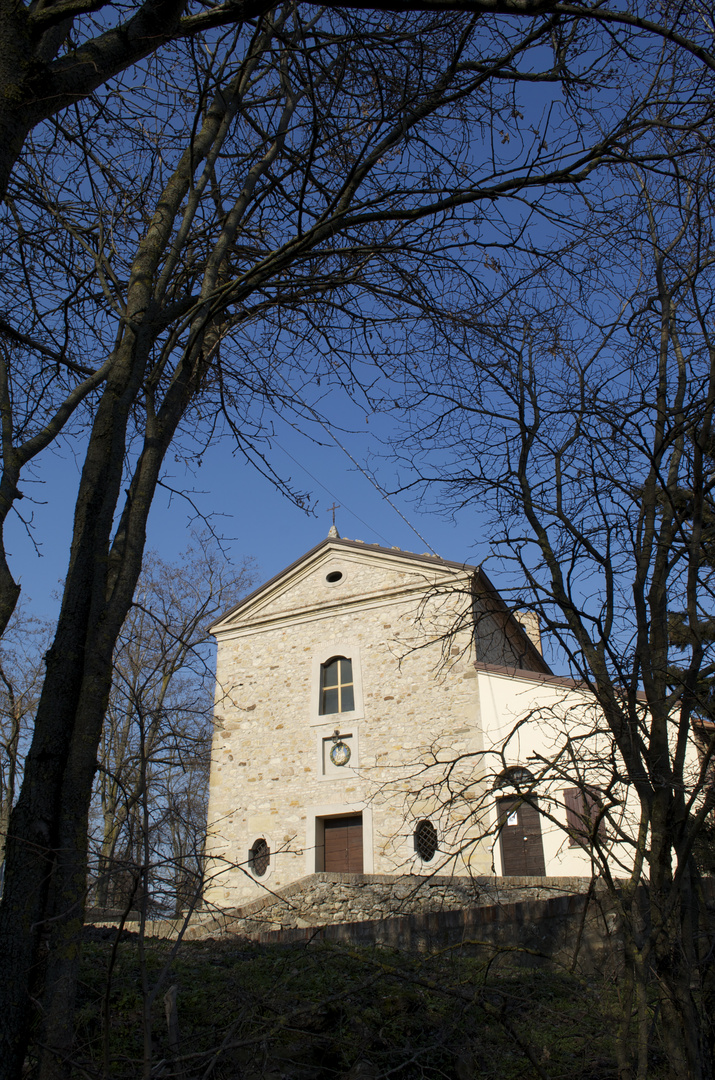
x,y
379,712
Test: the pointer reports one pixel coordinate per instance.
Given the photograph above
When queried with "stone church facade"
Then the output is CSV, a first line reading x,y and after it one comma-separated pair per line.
x,y
371,708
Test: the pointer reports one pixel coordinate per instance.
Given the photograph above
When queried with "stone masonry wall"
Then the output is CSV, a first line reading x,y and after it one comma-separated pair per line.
x,y
323,899
523,921
578,932
329,899
526,921
266,779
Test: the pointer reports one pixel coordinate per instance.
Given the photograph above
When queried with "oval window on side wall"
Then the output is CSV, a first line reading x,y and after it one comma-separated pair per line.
x,y
425,840
260,857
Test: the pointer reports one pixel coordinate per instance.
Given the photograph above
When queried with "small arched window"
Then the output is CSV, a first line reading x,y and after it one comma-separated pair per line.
x,y
425,840
336,686
260,857
517,777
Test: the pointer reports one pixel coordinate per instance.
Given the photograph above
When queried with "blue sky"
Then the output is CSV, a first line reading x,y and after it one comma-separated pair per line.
x,y
255,518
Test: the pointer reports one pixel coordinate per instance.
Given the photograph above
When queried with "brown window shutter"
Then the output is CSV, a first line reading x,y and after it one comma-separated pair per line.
x,y
594,805
583,807
573,801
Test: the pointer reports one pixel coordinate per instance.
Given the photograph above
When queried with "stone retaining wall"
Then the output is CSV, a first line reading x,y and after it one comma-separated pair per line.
x,y
578,932
327,899
527,921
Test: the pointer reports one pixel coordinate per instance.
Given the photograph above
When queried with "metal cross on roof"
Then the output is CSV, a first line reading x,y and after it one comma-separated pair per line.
x,y
333,532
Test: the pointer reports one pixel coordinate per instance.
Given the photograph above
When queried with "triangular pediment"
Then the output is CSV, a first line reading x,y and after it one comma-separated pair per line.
x,y
336,574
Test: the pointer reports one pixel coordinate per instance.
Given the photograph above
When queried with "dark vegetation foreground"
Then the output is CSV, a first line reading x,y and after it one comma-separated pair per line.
x,y
320,1012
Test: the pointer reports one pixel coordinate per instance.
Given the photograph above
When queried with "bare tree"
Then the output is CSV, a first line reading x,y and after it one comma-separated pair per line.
x,y
579,414
36,408
56,55
20,682
156,739
250,214
301,200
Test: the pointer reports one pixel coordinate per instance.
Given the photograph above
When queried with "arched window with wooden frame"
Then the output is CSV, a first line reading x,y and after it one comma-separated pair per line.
x,y
336,686
515,776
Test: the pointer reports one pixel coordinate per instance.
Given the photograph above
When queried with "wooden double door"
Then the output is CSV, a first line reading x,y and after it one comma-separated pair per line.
x,y
522,850
343,844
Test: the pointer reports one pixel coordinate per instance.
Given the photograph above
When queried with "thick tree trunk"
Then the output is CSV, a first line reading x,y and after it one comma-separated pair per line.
x,y
9,588
47,841
15,71
12,137
676,955
66,901
36,833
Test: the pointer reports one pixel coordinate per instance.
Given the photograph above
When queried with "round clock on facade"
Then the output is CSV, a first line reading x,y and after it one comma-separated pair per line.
x,y
340,753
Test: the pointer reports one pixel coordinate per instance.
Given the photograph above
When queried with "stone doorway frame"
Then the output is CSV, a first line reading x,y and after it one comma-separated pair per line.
x,y
315,836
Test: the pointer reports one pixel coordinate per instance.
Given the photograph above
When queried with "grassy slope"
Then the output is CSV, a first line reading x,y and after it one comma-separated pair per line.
x,y
322,1012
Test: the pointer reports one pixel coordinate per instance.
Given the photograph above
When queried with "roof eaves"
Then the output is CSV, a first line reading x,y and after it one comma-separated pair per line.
x,y
533,676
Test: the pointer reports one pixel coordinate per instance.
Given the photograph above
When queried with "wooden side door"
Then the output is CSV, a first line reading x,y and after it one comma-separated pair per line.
x,y
343,844
522,849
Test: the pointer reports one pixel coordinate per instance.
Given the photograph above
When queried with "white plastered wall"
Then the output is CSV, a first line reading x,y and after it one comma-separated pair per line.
x,y
539,725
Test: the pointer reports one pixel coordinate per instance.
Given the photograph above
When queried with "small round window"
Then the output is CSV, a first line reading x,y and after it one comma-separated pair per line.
x,y
260,857
425,840
334,577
